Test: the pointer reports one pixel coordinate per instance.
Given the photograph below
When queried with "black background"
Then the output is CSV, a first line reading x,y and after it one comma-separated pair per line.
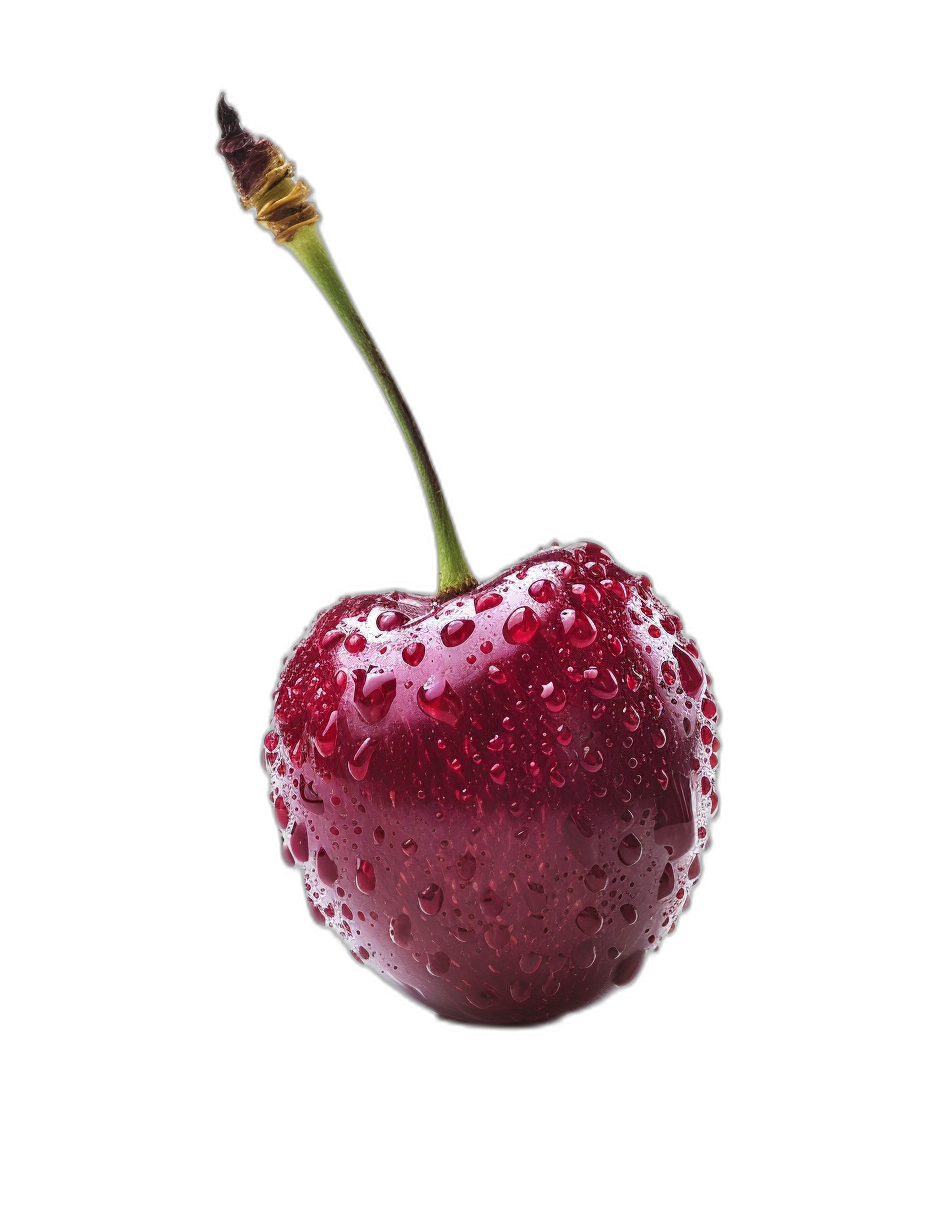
x,y
572,299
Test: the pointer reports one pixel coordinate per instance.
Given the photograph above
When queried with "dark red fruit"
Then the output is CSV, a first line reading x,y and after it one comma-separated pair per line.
x,y
498,801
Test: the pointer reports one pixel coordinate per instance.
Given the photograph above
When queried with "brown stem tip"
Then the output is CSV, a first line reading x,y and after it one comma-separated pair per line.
x,y
264,178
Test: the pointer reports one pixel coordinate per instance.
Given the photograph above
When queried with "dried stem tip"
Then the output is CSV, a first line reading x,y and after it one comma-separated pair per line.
x,y
264,178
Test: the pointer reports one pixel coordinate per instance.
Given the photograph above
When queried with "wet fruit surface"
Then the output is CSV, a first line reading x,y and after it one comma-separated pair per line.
x,y
499,801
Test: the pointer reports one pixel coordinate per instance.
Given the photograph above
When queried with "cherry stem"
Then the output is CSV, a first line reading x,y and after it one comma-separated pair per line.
x,y
454,575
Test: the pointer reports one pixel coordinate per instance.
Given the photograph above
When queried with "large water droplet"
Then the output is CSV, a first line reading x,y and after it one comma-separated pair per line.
x,y
589,921
520,990
439,963
581,822
373,694
326,738
497,936
326,868
299,842
691,674
521,626
628,968
586,594
413,654
485,602
583,955
355,642
360,759
591,760
430,899
675,826
309,797
456,632
391,620
630,849
439,701
605,684
578,628
554,697
282,812
666,883
628,913
365,878
596,879
401,931
466,866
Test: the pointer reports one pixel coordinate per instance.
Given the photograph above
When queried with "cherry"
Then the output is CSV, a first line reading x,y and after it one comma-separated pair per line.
x,y
518,827
497,797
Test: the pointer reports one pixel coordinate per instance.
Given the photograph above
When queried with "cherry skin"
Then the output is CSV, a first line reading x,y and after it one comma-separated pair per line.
x,y
499,801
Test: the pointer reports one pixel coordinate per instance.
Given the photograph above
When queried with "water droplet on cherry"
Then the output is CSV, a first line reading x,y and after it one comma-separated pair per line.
x,y
299,842
589,921
630,849
374,692
413,654
439,701
691,674
583,955
359,761
456,632
430,899
521,626
628,968
391,620
326,738
595,879
365,878
326,868
605,684
466,866
485,602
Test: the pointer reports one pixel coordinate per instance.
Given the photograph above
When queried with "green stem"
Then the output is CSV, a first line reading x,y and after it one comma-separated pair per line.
x,y
454,575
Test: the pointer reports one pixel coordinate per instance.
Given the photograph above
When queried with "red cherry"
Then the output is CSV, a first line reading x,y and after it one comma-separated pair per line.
x,y
497,797
456,830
